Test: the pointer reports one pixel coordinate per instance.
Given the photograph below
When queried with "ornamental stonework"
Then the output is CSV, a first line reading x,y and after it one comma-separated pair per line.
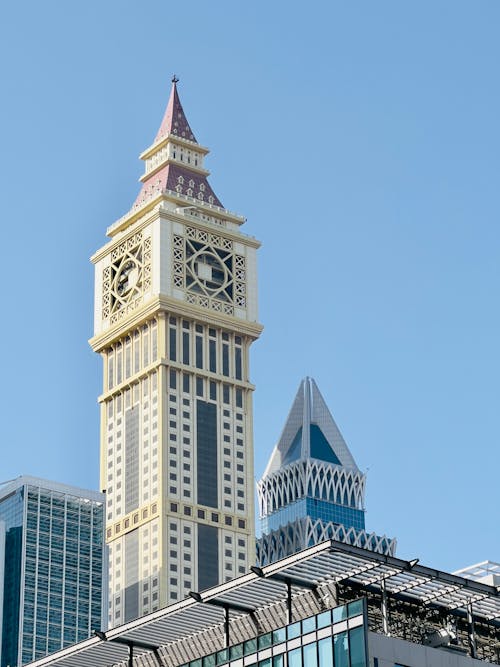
x,y
211,274
127,278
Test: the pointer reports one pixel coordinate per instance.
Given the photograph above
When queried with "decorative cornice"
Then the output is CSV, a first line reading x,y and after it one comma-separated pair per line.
x,y
169,138
152,213
169,195
197,170
143,373
158,303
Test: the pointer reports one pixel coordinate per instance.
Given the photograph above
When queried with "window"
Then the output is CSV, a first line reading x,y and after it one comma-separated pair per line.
x,y
341,649
212,356
199,352
173,379
239,398
225,359
173,344
357,647
237,363
310,656
295,658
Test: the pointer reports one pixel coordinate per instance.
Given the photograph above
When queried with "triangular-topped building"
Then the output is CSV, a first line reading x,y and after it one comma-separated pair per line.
x,y
312,490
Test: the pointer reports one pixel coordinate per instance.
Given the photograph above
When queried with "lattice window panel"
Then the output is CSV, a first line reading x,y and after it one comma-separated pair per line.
x,y
127,278
212,275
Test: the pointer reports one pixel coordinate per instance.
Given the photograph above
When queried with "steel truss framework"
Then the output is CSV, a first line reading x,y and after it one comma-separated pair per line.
x,y
405,599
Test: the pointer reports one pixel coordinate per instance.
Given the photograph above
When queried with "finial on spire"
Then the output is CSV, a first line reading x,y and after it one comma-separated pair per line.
x,y
175,80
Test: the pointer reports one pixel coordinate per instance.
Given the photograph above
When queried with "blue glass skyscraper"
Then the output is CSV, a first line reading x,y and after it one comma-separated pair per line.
x,y
312,489
51,568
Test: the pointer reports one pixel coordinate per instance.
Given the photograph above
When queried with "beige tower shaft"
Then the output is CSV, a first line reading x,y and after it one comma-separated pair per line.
x,y
175,315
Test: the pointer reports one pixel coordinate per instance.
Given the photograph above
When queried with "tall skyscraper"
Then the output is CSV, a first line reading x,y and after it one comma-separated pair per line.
x,y
175,315
51,567
312,490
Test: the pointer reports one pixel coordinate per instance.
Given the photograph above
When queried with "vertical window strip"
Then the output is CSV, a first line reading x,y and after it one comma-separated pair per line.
x,y
111,369
119,365
154,341
185,347
225,359
128,358
237,363
173,344
199,352
137,352
145,345
212,356
239,398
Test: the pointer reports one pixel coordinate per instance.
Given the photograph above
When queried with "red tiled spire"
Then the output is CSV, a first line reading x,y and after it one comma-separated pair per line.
x,y
176,174
174,121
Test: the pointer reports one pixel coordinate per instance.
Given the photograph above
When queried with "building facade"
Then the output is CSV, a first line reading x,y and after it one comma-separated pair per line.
x,y
175,315
312,490
51,568
332,605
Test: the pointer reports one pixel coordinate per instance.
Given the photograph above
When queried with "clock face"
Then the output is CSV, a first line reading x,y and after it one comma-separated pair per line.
x,y
207,269
210,271
127,278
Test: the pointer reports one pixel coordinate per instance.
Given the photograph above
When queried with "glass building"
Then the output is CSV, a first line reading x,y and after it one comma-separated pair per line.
x,y
51,568
336,636
312,489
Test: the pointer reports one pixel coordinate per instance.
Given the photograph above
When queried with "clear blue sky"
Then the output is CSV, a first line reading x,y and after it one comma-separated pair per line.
x,y
361,139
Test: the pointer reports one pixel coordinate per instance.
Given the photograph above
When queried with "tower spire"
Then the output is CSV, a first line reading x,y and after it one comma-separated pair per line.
x,y
175,121
174,162
310,432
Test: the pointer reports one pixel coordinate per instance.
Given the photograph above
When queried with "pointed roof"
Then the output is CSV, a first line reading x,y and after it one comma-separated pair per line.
x,y
173,172
175,121
310,432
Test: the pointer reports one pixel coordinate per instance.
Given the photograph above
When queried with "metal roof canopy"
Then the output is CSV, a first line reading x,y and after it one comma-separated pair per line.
x,y
326,563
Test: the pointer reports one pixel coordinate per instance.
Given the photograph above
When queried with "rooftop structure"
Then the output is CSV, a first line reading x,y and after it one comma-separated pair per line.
x,y
410,614
312,489
51,567
487,571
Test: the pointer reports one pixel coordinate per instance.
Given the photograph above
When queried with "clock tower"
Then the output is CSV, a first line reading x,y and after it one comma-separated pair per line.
x,y
175,315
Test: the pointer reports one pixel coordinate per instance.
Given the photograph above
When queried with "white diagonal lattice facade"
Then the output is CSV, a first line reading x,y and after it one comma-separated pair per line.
x,y
309,477
312,489
305,532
